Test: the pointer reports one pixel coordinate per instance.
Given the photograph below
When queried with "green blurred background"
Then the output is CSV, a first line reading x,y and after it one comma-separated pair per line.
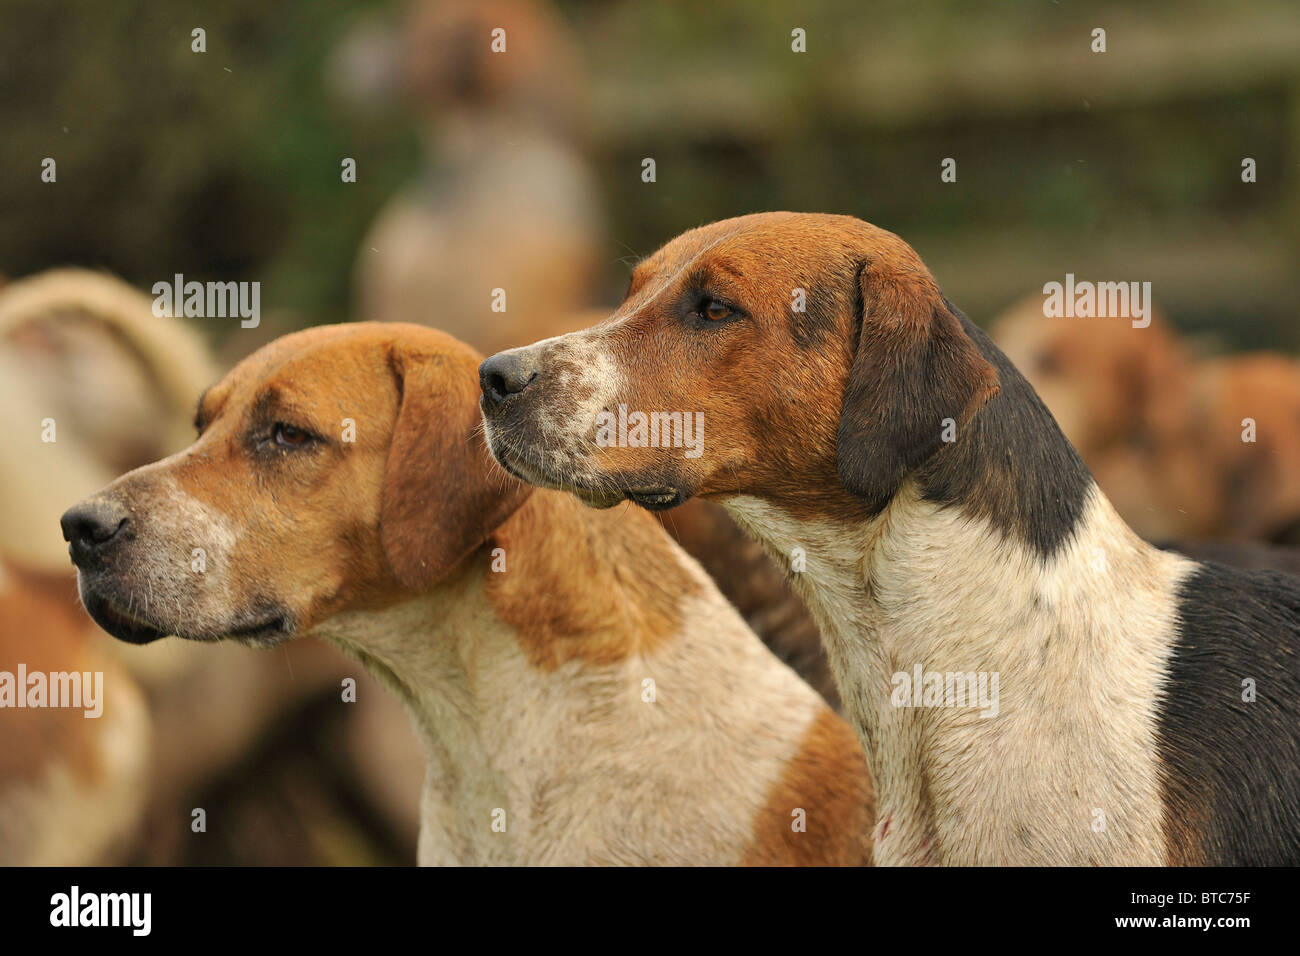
x,y
1117,165
226,166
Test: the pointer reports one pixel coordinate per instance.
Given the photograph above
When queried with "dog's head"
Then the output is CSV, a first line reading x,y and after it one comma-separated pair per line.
x,y
335,468
797,352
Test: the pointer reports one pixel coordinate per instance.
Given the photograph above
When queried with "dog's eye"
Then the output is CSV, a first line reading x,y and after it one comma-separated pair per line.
x,y
714,311
289,437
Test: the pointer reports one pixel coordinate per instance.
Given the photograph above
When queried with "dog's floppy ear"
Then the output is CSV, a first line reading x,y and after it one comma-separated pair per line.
x,y
913,367
443,494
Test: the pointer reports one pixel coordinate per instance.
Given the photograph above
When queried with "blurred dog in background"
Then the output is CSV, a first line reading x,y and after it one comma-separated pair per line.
x,y
93,382
1162,430
504,199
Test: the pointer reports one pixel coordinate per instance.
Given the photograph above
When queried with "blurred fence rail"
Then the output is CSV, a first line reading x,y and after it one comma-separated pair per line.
x,y
1122,165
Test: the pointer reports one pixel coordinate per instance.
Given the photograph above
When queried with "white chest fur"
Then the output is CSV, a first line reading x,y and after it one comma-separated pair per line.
x,y
1065,772
576,765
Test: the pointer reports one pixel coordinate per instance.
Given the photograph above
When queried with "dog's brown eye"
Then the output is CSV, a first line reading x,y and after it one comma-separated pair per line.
x,y
715,311
288,436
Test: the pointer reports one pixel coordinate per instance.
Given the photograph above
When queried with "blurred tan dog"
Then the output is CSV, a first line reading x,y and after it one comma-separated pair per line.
x,y
502,171
72,786
1259,480
92,383
117,384
584,693
1162,431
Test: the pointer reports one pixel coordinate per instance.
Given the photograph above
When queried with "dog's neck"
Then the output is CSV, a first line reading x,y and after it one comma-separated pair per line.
x,y
526,681
477,694
1071,617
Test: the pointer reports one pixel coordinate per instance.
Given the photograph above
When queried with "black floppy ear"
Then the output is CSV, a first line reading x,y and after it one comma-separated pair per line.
x,y
913,367
443,493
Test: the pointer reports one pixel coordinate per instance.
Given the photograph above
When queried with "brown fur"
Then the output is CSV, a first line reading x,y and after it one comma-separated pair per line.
x,y
437,444
1259,481
606,587
839,812
42,626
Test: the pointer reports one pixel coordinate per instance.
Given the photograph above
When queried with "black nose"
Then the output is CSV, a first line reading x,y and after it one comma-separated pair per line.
x,y
505,375
90,526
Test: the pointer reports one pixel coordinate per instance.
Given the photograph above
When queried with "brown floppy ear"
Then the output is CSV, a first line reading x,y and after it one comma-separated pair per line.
x,y
443,494
914,367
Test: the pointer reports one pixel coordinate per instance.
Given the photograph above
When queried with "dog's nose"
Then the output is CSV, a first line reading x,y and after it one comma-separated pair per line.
x,y
90,526
505,375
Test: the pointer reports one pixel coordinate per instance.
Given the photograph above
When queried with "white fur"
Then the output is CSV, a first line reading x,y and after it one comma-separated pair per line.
x,y
1066,773
586,771
585,373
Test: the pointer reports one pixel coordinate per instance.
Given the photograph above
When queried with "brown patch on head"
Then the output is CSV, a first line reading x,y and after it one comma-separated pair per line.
x,y
593,586
829,781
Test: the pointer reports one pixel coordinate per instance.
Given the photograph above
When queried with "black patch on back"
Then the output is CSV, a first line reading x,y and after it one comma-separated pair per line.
x,y
1233,768
1011,465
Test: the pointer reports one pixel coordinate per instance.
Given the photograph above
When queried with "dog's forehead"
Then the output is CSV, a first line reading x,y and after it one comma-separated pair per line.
x,y
310,368
350,369
276,366
760,246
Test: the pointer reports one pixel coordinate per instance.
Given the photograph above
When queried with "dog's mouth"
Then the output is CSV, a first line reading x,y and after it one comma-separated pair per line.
x,y
650,497
128,626
119,622
658,499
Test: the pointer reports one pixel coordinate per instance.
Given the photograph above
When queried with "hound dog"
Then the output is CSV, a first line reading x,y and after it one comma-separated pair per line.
x,y
584,692
1149,706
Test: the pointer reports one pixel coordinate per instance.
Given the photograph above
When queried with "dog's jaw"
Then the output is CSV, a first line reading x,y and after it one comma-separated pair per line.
x,y
264,626
592,489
